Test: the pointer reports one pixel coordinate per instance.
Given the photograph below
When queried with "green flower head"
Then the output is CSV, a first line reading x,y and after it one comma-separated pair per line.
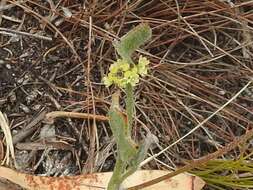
x,y
131,76
119,66
143,66
122,73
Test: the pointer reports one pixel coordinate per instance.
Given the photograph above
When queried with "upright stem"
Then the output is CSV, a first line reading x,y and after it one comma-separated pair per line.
x,y
128,154
129,108
116,179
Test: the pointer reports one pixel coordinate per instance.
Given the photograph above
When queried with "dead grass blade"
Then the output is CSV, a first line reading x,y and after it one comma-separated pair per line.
x,y
8,139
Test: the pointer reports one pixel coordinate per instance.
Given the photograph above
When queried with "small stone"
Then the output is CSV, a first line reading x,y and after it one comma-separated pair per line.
x,y
8,66
24,108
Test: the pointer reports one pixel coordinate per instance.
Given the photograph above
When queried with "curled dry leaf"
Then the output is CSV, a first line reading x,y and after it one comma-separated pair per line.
x,y
99,181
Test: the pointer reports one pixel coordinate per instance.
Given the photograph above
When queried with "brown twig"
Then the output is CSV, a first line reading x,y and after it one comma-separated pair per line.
x,y
52,115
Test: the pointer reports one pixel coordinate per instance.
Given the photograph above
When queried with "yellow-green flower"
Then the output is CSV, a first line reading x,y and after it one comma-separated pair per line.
x,y
119,66
131,76
122,73
116,74
143,66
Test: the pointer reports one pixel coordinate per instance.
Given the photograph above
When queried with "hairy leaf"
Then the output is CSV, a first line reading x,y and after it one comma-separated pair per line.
x,y
133,40
118,123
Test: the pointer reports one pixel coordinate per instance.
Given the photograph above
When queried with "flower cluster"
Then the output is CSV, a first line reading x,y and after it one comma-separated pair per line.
x,y
123,73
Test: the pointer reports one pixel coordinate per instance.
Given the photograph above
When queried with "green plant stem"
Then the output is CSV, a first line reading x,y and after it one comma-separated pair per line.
x,y
116,179
120,174
121,129
129,108
121,171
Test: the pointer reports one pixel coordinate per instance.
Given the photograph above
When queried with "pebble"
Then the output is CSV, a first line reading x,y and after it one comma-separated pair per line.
x,y
24,108
8,66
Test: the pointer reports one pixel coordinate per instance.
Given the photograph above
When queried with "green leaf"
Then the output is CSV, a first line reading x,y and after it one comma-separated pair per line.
x,y
118,122
132,41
